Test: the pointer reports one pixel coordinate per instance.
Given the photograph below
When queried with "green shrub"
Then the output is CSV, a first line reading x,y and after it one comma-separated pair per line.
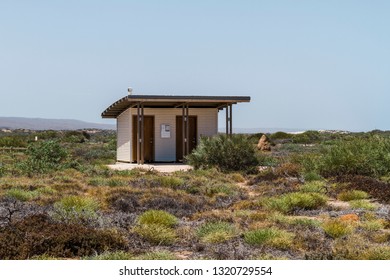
x,y
362,204
13,141
310,136
373,225
266,159
269,236
355,247
358,156
157,255
280,135
216,232
74,136
156,233
22,195
218,188
43,257
44,157
377,253
313,187
337,228
294,201
158,217
2,170
171,181
228,153
94,154
116,255
97,181
291,220
306,222
46,190
117,182
237,177
75,208
309,162
156,226
352,195
312,176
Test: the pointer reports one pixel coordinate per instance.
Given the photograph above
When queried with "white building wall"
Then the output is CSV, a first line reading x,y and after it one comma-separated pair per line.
x,y
123,124
164,148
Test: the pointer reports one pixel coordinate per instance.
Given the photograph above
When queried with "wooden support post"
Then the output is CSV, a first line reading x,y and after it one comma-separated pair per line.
x,y
187,131
227,119
231,119
138,133
142,144
183,130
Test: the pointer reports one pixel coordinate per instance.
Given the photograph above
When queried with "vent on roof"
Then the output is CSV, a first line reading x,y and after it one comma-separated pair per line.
x,y
129,90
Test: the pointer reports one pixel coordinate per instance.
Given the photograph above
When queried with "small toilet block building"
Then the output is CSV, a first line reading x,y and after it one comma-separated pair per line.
x,y
166,128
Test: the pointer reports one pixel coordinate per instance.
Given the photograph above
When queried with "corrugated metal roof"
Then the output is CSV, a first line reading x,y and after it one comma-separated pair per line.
x,y
170,101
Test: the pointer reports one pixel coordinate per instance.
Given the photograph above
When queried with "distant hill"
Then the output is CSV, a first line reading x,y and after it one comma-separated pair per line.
x,y
49,124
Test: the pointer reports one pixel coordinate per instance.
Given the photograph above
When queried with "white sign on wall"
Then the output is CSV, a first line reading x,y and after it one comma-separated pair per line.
x,y
165,131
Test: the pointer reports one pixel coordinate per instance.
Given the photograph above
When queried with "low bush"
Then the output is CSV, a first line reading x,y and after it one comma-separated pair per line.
x,y
313,187
265,159
171,181
377,253
157,255
280,135
354,247
310,136
373,225
116,255
158,217
75,208
305,222
269,236
179,204
227,153
337,228
38,235
358,156
216,232
94,154
288,169
43,157
21,194
220,188
156,234
352,195
312,176
3,169
156,226
13,141
290,202
362,204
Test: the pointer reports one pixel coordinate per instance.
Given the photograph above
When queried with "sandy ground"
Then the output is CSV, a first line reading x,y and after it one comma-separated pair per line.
x,y
161,167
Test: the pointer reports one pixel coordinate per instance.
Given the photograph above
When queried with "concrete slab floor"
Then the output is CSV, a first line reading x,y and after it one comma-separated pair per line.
x,y
160,167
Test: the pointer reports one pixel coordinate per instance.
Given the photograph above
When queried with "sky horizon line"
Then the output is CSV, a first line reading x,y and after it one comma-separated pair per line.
x,y
220,128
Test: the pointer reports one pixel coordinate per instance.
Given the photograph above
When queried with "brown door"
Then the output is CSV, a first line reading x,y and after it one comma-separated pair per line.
x,y
148,144
179,136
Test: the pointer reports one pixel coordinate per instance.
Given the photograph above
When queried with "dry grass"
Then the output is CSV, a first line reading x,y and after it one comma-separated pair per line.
x,y
199,214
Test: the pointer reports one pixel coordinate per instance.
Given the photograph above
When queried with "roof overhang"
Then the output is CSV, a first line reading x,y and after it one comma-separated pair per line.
x,y
171,101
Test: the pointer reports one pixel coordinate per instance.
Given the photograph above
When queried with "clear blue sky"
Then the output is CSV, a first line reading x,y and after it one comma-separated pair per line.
x,y
306,64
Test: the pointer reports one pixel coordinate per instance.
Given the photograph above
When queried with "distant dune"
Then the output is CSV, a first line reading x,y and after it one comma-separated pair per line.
x,y
263,130
47,124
